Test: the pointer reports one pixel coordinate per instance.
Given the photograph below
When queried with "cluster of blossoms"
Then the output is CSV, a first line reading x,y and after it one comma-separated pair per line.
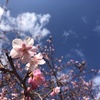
x,y
27,53
3,94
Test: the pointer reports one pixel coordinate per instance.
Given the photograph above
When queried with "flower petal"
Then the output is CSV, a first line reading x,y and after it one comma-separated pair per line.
x,y
25,58
57,90
41,62
29,41
39,55
14,54
27,66
37,72
32,51
33,67
17,43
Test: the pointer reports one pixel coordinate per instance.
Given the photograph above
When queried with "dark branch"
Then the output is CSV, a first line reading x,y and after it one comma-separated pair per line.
x,y
6,70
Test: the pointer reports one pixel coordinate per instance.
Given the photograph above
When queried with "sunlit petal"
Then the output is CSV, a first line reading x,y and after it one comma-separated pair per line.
x,y
41,62
14,54
29,41
27,66
17,43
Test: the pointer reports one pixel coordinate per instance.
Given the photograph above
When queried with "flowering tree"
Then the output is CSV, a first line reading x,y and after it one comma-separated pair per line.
x,y
29,72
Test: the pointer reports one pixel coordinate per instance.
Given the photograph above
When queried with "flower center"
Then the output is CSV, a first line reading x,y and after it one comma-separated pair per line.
x,y
24,49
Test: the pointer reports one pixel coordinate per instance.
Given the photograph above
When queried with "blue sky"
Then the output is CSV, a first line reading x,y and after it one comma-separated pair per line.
x,y
74,25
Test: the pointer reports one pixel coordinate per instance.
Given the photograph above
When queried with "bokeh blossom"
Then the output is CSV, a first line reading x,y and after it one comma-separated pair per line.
x,y
23,49
55,91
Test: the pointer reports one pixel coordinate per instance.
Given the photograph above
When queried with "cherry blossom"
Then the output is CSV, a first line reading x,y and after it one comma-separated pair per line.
x,y
35,61
37,80
23,49
86,98
55,91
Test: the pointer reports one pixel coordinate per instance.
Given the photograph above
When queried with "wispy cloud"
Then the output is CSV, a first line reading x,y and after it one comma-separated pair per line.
x,y
66,34
26,23
80,53
84,19
70,33
96,80
74,53
97,29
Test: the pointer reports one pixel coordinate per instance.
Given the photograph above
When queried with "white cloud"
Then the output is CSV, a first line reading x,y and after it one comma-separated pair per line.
x,y
96,85
31,23
1,12
96,80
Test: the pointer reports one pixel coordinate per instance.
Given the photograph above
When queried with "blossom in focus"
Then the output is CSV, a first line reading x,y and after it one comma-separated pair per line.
x,y
37,79
23,49
35,61
55,91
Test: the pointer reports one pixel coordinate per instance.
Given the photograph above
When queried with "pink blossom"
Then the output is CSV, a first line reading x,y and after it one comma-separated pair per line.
x,y
14,94
30,80
32,83
86,98
28,89
35,61
55,91
23,49
37,80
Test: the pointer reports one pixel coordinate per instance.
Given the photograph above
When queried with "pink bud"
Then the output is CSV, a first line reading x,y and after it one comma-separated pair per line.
x,y
52,93
55,91
28,89
30,80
